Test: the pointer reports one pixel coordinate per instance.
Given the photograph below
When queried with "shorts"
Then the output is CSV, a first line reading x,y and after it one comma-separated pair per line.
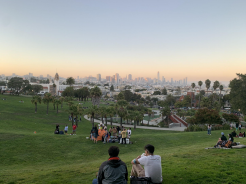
x,y
65,131
128,136
95,135
74,130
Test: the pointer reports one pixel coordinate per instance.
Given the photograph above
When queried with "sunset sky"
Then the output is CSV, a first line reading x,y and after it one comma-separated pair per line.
x,y
178,38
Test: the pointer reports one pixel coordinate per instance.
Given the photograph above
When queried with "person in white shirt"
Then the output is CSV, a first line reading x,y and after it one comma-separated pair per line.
x,y
151,163
66,129
129,132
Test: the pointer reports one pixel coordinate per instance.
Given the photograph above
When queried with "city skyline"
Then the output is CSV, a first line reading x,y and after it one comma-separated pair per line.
x,y
194,39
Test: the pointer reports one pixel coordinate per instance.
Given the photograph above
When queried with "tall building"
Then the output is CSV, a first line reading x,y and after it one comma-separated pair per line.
x,y
117,78
158,77
130,77
99,77
78,77
186,81
108,78
163,80
171,80
30,75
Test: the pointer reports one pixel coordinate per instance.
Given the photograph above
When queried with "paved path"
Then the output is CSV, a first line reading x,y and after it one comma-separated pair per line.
x,y
141,127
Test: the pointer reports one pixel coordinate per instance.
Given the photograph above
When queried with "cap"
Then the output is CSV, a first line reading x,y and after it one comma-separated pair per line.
x,y
222,133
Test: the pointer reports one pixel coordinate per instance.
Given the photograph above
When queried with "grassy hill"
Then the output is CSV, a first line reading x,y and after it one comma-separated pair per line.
x,y
44,157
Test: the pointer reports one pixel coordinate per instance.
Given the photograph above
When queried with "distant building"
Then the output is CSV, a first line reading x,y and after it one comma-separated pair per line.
x,y
108,78
99,77
130,77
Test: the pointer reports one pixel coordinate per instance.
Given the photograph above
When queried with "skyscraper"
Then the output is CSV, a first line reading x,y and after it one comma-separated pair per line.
x,y
158,77
117,78
99,77
107,78
130,77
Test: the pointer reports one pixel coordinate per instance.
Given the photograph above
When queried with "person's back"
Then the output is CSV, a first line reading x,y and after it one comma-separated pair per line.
x,y
152,167
113,171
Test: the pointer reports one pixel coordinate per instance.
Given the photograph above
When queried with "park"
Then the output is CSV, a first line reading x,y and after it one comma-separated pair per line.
x,y
32,153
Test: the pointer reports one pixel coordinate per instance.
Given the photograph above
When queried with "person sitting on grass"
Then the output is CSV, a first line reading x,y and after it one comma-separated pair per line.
x,y
234,134
223,137
230,138
151,163
94,181
113,171
57,129
240,135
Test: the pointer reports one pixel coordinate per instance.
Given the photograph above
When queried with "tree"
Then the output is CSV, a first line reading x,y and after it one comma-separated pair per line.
x,y
2,83
62,99
170,99
111,88
207,116
102,112
193,85
215,86
166,112
120,96
75,110
164,91
111,112
47,99
70,81
237,93
16,84
91,111
57,102
122,103
95,95
68,92
205,102
200,84
207,82
122,111
35,100
37,88
149,112
221,88
157,93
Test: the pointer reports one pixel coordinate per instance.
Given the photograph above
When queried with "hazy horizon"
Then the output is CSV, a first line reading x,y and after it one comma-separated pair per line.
x,y
195,39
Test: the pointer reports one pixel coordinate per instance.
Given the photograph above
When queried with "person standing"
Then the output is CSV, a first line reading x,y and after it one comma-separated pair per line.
x,y
152,165
113,171
74,129
123,135
66,129
209,129
129,132
95,134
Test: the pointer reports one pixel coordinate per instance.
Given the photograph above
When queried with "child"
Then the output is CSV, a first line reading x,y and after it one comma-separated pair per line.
x,y
66,129
129,132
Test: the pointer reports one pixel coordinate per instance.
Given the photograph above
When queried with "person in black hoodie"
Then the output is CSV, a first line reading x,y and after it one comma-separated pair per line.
x,y
223,137
113,171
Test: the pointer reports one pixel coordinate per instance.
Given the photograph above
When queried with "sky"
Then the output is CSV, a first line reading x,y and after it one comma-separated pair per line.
x,y
179,38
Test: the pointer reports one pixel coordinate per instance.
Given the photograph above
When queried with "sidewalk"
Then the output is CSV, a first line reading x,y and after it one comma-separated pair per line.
x,y
181,129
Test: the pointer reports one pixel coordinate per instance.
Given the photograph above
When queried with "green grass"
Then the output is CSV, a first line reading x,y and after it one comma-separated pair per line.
x,y
43,157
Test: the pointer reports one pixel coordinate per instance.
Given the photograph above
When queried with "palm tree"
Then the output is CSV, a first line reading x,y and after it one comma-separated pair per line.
x,y
166,112
122,112
149,114
95,95
111,112
36,99
91,113
215,86
207,82
57,102
70,81
137,117
193,85
200,84
102,112
75,110
47,99
62,99
221,88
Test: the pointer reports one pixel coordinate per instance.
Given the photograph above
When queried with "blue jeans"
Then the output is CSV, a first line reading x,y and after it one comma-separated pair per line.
x,y
209,131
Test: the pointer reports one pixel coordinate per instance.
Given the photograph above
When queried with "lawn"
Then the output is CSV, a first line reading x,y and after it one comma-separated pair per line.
x,y
44,157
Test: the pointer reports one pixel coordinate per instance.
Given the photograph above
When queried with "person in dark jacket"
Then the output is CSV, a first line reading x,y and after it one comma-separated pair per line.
x,y
113,171
223,137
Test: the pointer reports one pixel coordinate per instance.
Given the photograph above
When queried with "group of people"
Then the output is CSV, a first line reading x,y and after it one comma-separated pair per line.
x,y
114,171
57,131
70,118
223,142
111,135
